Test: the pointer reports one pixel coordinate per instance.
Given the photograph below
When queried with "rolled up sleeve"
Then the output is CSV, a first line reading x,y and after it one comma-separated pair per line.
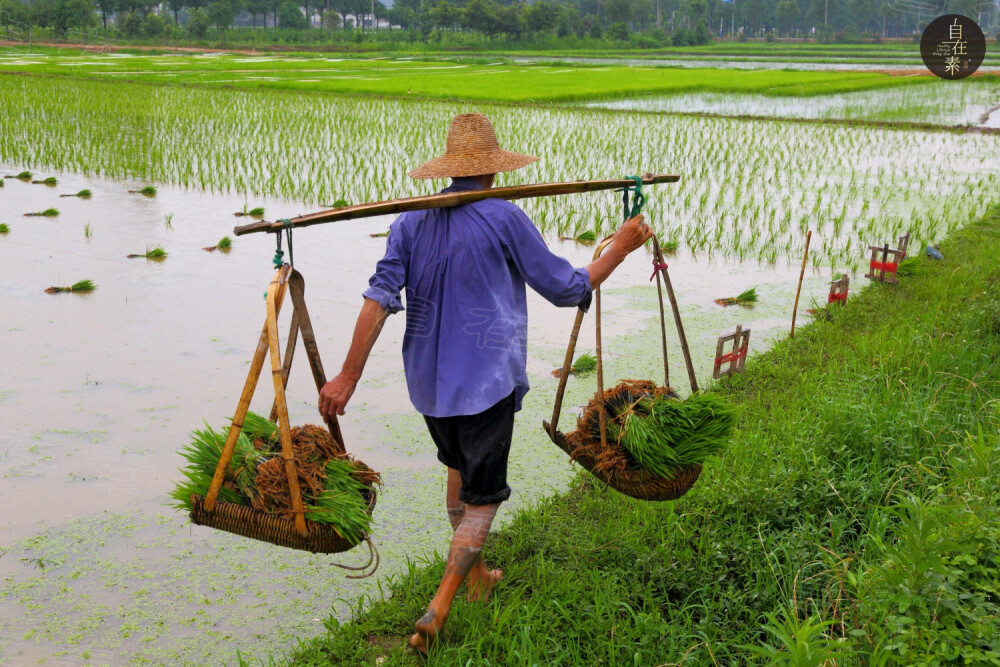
x,y
545,272
385,286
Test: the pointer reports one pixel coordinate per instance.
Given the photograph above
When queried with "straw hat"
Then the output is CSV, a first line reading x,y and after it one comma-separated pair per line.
x,y
472,150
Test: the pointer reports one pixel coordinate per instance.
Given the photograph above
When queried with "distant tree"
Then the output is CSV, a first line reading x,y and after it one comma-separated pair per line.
x,y
483,16
755,12
140,7
617,32
62,15
290,16
786,12
618,11
510,20
129,24
106,7
694,11
221,13
153,25
542,16
258,7
198,23
642,12
331,20
176,6
446,15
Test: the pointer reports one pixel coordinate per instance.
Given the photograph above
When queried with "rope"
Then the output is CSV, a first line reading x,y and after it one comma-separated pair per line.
x,y
638,199
279,255
658,266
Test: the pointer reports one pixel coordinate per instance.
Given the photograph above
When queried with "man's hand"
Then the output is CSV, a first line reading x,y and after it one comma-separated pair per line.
x,y
335,394
631,235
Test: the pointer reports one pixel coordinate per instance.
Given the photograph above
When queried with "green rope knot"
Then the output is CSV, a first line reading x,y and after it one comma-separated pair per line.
x,y
638,199
279,255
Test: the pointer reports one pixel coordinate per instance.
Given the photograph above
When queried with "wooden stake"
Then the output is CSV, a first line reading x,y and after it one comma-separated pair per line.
x,y
256,365
283,425
802,273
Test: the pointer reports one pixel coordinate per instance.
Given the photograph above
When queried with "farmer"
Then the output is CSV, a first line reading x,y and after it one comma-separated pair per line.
x,y
465,347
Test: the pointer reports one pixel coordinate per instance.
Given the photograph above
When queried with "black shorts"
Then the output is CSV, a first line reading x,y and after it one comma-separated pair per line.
x,y
477,446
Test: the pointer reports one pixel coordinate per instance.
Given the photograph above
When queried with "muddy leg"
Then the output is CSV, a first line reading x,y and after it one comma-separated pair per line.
x,y
466,547
480,581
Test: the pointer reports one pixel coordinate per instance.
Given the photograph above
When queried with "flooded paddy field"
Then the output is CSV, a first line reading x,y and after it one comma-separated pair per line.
x,y
99,391
937,102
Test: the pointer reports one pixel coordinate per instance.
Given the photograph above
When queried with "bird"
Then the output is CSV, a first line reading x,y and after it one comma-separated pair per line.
x,y
933,252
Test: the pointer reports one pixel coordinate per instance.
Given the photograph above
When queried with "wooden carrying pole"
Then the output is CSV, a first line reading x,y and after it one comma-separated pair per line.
x,y
802,273
449,199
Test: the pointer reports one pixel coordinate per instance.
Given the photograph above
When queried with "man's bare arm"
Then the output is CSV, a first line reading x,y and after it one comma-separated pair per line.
x,y
630,236
337,392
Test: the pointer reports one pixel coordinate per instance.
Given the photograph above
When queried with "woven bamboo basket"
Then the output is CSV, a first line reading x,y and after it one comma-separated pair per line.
x,y
605,460
257,525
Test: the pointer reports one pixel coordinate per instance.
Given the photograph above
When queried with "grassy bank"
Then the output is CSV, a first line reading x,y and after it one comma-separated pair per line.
x,y
854,516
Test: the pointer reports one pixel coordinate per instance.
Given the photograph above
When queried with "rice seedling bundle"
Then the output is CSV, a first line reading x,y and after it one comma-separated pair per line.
x,y
746,297
650,429
334,488
4,229
81,287
47,213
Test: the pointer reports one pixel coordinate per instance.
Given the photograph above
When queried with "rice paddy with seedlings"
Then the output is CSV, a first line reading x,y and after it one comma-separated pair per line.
x,y
748,190
442,79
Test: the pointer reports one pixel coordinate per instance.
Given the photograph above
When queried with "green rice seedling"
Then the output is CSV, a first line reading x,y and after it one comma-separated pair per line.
x,y
585,363
202,455
665,435
342,504
168,220
225,244
155,253
907,267
379,235
253,212
146,190
585,237
744,298
81,287
82,194
51,180
88,231
47,213
670,247
4,229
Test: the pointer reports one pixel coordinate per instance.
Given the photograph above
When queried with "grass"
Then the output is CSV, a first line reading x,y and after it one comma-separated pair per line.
x,y
81,287
855,512
155,253
47,213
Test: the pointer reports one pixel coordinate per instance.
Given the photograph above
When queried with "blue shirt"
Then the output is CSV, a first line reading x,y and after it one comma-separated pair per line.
x,y
464,270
